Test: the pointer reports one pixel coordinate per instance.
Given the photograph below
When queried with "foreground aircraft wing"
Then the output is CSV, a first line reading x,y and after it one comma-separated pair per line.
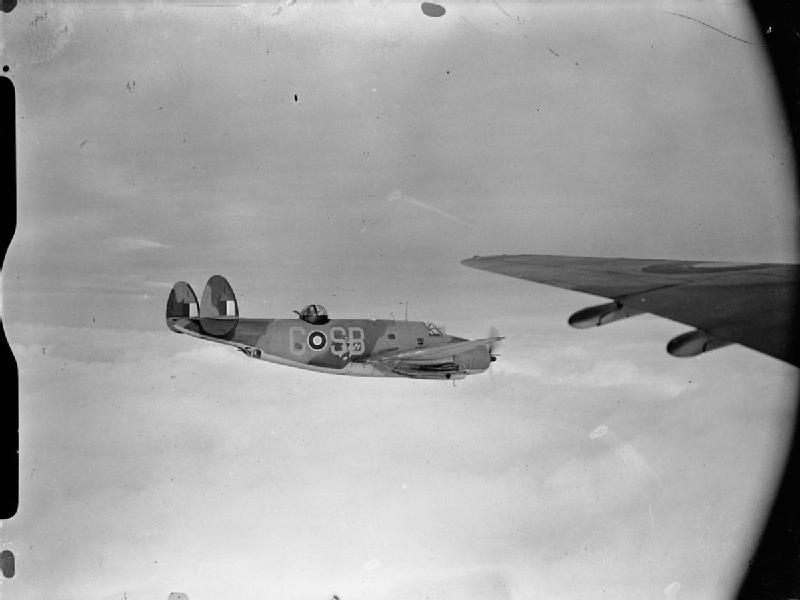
x,y
752,304
433,353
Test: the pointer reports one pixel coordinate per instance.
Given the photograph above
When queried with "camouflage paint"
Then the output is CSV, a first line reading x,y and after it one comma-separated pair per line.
x,y
357,347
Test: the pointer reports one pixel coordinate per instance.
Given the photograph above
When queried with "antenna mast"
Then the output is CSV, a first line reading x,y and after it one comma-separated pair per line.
x,y
406,305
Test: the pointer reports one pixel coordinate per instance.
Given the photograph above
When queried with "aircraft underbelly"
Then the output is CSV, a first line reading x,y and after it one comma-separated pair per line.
x,y
353,369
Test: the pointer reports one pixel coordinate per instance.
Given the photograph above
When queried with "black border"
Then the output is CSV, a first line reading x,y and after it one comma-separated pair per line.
x,y
773,571
9,419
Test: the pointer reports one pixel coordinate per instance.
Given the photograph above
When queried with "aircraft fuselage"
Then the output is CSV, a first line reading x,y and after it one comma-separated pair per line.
x,y
361,347
336,346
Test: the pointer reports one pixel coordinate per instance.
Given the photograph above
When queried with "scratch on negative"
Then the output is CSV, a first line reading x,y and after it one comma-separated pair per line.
x,y
553,51
709,26
501,8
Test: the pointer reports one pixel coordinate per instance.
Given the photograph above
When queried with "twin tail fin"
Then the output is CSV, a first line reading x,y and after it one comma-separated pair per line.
x,y
217,312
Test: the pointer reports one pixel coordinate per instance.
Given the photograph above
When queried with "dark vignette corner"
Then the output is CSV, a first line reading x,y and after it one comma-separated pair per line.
x,y
773,571
9,417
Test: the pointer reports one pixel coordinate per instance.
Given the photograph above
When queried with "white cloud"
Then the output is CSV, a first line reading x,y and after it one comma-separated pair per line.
x,y
580,367
130,439
672,590
134,243
633,460
371,565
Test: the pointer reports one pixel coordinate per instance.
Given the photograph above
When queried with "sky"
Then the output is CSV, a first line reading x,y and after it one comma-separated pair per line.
x,y
352,154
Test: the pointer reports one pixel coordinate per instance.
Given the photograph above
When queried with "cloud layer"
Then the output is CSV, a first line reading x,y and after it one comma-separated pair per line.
x,y
153,462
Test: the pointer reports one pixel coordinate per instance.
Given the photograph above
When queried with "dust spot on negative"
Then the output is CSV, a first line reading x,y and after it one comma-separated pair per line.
x,y
432,10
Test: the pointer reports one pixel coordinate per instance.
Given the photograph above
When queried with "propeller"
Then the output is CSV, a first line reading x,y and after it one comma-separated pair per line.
x,y
494,346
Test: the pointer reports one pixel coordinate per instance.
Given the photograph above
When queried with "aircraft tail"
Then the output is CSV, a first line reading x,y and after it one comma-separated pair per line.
x,y
182,303
219,311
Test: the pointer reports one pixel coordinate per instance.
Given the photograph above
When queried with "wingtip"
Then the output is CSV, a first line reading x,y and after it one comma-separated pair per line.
x,y
474,261
468,262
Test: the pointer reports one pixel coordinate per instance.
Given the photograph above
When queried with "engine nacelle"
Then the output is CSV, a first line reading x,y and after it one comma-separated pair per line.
x,y
694,343
474,361
594,316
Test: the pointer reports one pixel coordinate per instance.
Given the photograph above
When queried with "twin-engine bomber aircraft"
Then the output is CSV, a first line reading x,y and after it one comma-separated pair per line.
x,y
360,347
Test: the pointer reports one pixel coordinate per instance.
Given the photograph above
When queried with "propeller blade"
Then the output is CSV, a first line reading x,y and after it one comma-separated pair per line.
x,y
494,346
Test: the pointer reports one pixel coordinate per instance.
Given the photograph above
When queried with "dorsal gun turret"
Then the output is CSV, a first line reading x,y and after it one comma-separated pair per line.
x,y
314,314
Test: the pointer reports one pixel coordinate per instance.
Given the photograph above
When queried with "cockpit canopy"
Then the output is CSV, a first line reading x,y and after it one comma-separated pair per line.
x,y
434,329
314,314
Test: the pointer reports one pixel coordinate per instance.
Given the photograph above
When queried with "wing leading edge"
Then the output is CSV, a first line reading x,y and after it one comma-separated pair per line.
x,y
431,353
454,359
752,304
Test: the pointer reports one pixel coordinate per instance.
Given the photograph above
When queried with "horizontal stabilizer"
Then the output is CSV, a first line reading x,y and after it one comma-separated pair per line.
x,y
182,303
219,312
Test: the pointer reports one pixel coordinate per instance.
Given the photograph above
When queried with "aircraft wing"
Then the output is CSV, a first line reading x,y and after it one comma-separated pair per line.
x,y
433,353
752,304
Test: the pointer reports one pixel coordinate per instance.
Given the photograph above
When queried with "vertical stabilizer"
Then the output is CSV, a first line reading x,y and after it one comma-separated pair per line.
x,y
182,303
219,312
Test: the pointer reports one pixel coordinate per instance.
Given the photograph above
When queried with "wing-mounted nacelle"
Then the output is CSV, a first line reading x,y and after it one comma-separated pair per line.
x,y
476,360
694,343
594,316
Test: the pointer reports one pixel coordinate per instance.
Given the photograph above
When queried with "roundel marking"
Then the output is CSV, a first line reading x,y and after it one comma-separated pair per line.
x,y
317,340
